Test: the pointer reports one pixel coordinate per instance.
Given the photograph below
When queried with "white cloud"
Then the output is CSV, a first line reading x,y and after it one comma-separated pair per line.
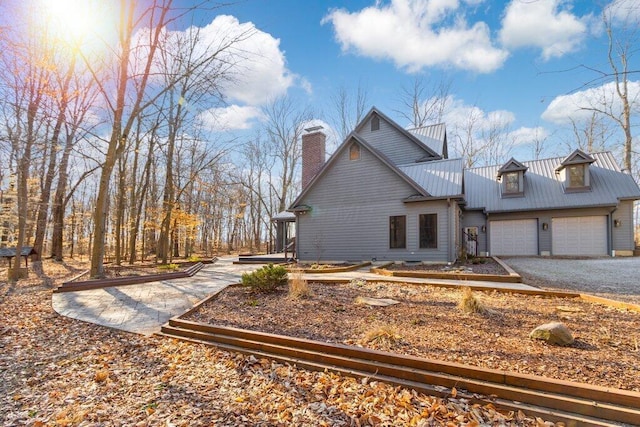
x,y
565,108
415,34
229,118
263,73
460,115
253,65
526,135
545,24
623,11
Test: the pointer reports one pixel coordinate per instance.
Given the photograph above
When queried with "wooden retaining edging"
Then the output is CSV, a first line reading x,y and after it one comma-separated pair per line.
x,y
128,280
512,276
332,269
553,400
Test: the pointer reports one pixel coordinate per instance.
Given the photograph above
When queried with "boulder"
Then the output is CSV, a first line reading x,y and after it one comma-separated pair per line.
x,y
553,333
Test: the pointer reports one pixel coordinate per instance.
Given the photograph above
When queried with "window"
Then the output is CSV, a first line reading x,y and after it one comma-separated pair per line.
x,y
428,231
354,152
511,182
397,232
576,175
375,123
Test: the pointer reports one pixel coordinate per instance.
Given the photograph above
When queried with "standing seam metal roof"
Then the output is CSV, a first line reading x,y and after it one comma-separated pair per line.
x,y
544,190
432,136
440,178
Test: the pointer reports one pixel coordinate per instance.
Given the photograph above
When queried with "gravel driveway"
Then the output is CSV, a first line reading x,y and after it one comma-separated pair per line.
x,y
617,278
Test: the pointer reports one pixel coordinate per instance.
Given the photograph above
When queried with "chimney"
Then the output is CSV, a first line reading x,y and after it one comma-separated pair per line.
x,y
313,153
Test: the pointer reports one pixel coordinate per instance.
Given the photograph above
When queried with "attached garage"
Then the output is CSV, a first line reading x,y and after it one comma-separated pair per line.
x,y
584,235
513,237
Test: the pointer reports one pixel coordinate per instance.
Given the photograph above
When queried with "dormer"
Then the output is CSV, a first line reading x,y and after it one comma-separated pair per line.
x,y
573,172
511,176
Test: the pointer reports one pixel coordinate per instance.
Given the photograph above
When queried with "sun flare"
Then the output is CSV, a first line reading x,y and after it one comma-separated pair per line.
x,y
72,20
87,25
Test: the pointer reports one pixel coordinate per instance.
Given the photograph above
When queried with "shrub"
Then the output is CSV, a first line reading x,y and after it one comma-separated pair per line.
x,y
266,279
169,267
298,286
194,258
470,304
382,335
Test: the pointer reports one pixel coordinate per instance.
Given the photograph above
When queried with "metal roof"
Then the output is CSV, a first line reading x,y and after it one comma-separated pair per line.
x,y
439,178
432,136
544,190
11,252
284,216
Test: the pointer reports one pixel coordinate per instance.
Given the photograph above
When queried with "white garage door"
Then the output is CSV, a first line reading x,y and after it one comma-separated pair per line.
x,y
513,237
584,235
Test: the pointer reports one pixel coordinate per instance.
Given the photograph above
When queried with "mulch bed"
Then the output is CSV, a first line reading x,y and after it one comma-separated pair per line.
x,y
478,266
57,371
427,323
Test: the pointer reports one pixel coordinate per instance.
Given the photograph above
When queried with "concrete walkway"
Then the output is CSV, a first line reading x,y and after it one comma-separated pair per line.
x,y
146,307
364,273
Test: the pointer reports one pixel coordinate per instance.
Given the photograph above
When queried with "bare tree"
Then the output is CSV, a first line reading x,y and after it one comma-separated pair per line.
x,y
622,26
347,109
424,103
26,76
196,72
591,135
284,125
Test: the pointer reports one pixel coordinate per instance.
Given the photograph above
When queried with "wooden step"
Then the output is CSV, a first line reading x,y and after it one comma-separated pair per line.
x,y
128,280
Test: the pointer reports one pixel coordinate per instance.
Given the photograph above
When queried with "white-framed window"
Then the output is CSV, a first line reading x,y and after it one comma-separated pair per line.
x,y
576,175
511,182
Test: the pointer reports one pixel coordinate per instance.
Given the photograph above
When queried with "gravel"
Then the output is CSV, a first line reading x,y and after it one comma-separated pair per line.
x,y
616,278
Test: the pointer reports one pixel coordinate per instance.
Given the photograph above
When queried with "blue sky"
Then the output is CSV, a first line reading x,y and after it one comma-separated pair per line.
x,y
502,58
515,62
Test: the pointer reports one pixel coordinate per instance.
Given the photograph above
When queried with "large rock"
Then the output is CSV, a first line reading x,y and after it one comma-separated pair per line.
x,y
553,333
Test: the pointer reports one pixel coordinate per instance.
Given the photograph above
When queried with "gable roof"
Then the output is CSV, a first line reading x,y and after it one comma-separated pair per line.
x,y
410,136
512,165
347,142
544,190
578,157
433,136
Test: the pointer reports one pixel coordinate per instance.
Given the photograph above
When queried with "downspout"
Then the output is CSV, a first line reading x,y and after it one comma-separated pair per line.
x,y
297,248
452,232
610,239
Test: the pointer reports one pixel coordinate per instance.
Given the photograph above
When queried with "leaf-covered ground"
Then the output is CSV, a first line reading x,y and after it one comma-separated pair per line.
x,y
56,371
428,323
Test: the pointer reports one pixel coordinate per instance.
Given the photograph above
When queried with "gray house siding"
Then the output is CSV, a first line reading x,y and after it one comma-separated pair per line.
x,y
350,209
393,144
622,236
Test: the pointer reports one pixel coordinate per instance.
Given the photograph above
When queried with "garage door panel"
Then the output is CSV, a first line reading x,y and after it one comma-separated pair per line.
x,y
514,237
585,235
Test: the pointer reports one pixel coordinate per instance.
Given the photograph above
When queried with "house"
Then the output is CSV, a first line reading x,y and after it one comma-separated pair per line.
x,y
389,193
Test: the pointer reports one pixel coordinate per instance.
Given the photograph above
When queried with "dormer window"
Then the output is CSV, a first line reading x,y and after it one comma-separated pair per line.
x,y
576,175
573,172
511,182
511,175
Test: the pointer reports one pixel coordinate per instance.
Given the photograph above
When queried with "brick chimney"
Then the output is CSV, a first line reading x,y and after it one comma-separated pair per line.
x,y
313,153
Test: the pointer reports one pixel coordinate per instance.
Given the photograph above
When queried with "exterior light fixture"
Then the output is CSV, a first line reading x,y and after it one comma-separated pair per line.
x,y
545,226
